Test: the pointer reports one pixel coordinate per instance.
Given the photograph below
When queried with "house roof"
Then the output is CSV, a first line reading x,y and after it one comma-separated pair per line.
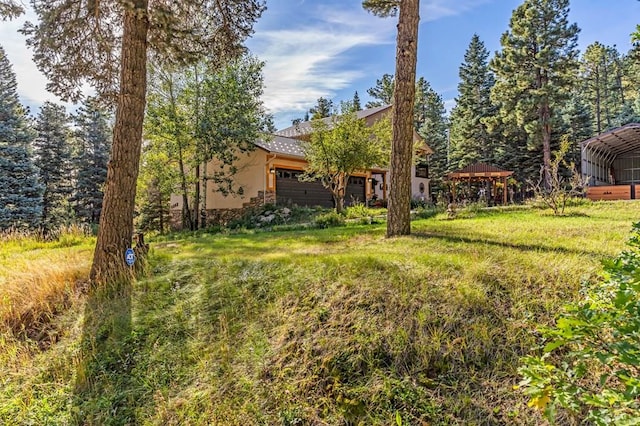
x,y
281,145
479,170
620,140
304,128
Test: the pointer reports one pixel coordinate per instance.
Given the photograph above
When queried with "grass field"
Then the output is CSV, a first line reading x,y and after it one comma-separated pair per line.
x,y
333,326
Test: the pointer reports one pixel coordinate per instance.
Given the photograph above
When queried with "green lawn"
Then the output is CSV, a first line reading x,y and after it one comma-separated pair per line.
x,y
334,326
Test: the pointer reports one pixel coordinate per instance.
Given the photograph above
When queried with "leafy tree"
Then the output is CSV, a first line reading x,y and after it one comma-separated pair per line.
x,y
52,149
470,138
233,118
343,146
382,92
323,108
106,44
203,115
536,70
399,207
93,143
169,124
20,192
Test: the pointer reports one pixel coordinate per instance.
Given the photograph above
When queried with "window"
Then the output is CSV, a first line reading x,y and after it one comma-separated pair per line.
x,y
422,171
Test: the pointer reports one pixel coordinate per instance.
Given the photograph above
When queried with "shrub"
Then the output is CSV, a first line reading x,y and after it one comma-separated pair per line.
x,y
591,361
330,219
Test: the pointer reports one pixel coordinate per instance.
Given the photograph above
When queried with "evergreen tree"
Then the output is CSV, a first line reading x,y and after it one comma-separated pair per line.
x,y
356,105
10,9
433,129
93,143
577,126
323,108
20,192
606,85
382,92
52,157
536,71
470,139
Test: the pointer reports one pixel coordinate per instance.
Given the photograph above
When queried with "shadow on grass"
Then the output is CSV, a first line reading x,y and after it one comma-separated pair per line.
x,y
454,238
104,391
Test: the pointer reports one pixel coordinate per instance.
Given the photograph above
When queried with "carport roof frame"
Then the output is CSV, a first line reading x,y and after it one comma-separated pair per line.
x,y
620,140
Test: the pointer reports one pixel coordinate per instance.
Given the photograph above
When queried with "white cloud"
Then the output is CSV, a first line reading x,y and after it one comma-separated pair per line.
x,y
309,61
438,9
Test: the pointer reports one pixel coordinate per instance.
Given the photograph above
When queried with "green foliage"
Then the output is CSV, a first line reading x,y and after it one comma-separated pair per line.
x,y
20,191
10,9
382,8
343,146
323,108
431,124
591,356
333,326
331,219
382,92
470,139
52,149
92,139
535,73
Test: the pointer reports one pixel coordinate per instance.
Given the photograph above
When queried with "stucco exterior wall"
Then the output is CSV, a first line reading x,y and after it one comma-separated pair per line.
x,y
252,169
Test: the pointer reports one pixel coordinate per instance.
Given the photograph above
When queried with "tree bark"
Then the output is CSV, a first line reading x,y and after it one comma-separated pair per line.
x,y
399,208
116,219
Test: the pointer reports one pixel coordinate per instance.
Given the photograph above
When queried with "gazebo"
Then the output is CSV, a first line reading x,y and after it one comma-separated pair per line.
x,y
611,164
481,172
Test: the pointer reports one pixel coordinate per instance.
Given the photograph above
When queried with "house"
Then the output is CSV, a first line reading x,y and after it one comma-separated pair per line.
x,y
269,175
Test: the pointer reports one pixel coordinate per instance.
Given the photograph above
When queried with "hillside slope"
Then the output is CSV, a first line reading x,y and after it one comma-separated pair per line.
x,y
335,326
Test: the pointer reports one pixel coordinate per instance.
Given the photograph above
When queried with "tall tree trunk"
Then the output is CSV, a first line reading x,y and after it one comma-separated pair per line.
x,y
116,219
399,208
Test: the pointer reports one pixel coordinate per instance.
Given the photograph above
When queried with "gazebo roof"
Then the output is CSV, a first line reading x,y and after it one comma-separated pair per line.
x,y
479,170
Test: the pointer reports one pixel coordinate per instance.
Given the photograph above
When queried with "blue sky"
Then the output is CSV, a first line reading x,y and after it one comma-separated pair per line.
x,y
332,48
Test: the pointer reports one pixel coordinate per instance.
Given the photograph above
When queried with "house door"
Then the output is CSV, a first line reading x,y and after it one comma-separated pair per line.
x,y
289,190
355,191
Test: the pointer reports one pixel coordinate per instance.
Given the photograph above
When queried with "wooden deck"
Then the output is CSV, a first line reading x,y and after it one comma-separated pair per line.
x,y
611,192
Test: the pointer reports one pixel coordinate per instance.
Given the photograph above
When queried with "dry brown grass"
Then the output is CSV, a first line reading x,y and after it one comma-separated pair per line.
x,y
38,280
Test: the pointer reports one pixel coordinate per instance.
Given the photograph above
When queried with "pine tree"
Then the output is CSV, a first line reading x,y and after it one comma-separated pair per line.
x,y
357,106
52,156
68,52
10,9
606,84
470,139
577,125
324,108
20,192
536,71
382,92
399,209
430,115
93,143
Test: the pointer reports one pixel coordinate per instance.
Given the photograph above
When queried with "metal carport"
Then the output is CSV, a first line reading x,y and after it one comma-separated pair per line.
x,y
611,163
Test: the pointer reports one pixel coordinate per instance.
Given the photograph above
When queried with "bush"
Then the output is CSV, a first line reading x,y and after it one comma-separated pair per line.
x,y
329,220
591,358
